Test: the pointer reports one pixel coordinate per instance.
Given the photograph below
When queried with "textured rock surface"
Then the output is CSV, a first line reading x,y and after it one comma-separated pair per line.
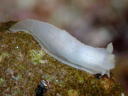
x,y
23,65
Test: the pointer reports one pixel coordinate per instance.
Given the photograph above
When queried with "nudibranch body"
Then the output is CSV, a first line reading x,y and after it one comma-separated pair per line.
x,y
66,48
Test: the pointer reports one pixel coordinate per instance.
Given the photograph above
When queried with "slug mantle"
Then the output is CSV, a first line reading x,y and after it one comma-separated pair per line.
x,y
66,48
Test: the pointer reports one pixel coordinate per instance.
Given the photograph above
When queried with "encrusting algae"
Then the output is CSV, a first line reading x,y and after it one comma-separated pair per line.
x,y
23,64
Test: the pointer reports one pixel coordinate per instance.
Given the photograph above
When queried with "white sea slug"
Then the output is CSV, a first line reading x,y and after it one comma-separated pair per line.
x,y
66,48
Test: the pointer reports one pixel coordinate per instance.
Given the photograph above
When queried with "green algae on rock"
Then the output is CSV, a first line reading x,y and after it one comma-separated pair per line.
x,y
37,56
21,73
